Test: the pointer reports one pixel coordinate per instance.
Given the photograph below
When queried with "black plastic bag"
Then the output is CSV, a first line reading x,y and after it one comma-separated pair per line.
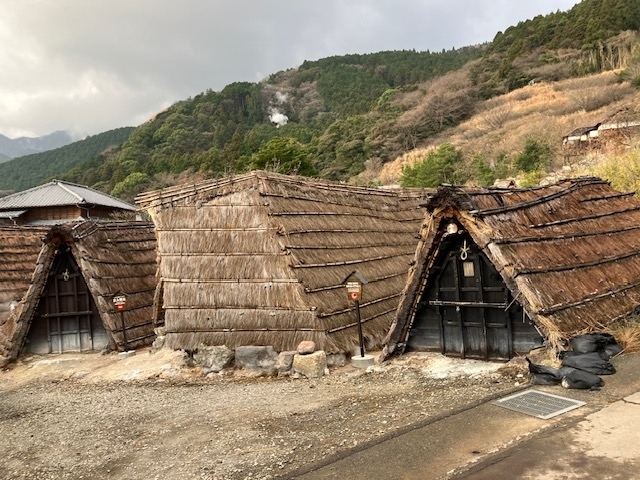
x,y
589,362
603,343
610,350
542,374
582,380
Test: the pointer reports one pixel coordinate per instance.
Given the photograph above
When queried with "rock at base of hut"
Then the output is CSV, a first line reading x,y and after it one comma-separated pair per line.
x,y
213,359
285,361
257,359
157,344
306,347
312,365
336,359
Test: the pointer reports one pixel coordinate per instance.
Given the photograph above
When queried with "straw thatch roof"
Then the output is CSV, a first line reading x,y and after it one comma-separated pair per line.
x,y
113,257
259,259
569,252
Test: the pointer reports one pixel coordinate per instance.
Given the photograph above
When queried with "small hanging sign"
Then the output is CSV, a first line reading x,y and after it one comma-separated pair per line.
x,y
354,284
120,301
354,290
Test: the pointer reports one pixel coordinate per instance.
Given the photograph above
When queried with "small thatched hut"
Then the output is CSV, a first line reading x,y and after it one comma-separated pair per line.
x,y
499,270
57,284
259,259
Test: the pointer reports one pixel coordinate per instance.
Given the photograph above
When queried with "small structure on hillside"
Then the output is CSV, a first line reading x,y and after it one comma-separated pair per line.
x,y
614,132
500,270
259,259
581,134
59,202
57,284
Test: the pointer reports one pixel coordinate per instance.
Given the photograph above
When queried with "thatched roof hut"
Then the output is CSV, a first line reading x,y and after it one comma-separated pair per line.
x,y
259,259
57,284
497,269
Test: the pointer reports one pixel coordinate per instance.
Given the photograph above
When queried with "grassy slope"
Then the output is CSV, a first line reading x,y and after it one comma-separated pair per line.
x,y
545,111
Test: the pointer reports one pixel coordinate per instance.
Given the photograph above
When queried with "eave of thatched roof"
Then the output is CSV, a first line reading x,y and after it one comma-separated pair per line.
x,y
259,259
569,252
113,257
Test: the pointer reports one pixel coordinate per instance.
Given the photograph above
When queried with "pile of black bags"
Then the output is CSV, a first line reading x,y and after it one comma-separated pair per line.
x,y
581,366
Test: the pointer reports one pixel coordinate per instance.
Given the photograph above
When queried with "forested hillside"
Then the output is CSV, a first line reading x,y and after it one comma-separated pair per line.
x,y
31,170
347,117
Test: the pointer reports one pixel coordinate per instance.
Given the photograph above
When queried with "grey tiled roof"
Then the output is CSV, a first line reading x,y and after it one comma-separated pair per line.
x,y
59,193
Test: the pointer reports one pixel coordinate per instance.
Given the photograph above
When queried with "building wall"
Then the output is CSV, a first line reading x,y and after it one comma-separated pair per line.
x,y
50,213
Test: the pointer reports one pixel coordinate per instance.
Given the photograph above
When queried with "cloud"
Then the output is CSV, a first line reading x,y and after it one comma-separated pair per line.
x,y
92,66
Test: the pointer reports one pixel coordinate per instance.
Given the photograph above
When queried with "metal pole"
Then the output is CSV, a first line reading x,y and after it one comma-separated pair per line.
x,y
359,328
124,331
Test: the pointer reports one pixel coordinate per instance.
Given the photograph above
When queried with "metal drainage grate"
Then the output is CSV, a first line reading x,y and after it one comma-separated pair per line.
x,y
539,404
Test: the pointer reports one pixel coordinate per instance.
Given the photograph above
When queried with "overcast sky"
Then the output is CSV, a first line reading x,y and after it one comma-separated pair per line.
x,y
87,66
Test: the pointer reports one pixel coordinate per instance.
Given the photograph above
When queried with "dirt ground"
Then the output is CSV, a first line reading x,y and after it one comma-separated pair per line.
x,y
149,416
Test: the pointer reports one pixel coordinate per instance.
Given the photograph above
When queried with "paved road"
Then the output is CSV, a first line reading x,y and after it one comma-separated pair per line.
x,y
600,440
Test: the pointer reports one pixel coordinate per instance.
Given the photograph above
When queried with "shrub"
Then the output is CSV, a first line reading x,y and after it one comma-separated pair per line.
x,y
623,172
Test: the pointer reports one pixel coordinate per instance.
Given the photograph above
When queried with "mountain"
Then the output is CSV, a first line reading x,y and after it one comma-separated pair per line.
x,y
351,117
31,170
18,147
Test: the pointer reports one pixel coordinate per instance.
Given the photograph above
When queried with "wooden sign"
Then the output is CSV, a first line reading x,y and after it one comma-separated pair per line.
x,y
354,284
120,301
354,290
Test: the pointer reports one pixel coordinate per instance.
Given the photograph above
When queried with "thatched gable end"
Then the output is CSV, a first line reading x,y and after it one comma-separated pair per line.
x,y
23,261
120,257
569,253
258,259
111,257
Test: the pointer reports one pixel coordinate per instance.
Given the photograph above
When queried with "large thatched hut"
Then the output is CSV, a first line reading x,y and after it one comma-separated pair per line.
x,y
260,259
500,270
57,286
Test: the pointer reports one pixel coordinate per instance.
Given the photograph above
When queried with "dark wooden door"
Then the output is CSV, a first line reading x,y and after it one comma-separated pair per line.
x,y
66,318
466,309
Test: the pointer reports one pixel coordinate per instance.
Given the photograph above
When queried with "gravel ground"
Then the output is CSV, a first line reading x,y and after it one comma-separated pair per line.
x,y
151,417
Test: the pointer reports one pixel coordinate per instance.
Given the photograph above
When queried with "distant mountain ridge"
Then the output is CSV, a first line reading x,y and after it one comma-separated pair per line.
x,y
31,170
21,146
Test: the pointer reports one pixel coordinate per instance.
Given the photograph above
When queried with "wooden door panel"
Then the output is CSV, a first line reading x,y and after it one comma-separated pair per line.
x,y
67,319
466,300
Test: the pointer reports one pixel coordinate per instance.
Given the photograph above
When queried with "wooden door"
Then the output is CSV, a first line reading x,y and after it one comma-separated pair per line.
x,y
467,310
66,318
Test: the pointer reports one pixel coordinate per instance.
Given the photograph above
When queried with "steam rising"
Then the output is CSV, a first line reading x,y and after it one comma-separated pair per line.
x,y
278,117
275,115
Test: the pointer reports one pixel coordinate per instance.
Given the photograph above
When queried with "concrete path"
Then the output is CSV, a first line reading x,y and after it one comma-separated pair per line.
x,y
605,445
486,441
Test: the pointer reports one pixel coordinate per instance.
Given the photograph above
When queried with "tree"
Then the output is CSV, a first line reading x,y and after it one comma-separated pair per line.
x,y
440,166
130,186
535,156
283,155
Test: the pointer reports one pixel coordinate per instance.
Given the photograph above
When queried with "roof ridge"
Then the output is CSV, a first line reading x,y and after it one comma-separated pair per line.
x,y
68,190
